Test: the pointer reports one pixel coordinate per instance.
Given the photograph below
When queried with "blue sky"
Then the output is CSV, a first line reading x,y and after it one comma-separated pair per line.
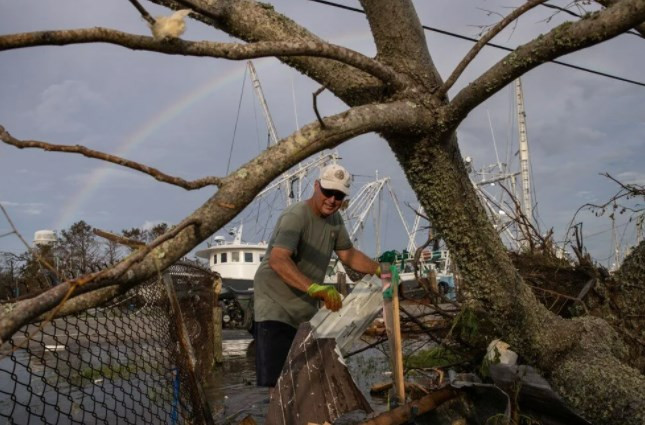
x,y
178,114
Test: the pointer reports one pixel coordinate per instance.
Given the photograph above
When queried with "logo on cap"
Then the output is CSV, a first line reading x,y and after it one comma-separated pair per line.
x,y
339,174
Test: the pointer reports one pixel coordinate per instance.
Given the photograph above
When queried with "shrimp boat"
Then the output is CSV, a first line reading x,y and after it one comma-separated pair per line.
x,y
235,261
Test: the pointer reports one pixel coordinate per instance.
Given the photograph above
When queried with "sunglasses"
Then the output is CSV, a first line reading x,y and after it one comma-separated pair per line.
x,y
328,193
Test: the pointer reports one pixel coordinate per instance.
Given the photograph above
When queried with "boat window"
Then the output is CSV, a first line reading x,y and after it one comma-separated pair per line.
x,y
214,259
261,258
248,257
223,258
235,256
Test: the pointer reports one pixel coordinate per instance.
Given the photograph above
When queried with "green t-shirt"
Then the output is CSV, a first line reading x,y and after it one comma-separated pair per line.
x,y
311,240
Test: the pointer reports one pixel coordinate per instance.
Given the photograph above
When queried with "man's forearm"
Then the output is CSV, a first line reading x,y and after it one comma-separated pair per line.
x,y
289,273
358,261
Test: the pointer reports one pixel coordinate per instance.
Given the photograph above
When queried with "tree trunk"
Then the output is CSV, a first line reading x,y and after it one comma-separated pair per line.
x,y
580,357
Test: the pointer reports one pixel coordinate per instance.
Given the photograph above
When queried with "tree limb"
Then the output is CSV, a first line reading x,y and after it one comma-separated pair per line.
x,y
236,191
640,28
90,153
483,41
315,97
566,38
144,13
253,21
233,51
404,49
118,239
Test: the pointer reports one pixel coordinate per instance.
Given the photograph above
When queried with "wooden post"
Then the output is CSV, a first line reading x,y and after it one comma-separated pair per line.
x,y
393,327
434,286
217,321
198,397
341,281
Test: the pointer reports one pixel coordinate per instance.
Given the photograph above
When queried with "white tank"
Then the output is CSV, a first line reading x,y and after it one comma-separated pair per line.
x,y
44,237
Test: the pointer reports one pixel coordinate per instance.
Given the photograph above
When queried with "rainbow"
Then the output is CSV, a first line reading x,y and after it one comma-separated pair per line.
x,y
140,135
175,108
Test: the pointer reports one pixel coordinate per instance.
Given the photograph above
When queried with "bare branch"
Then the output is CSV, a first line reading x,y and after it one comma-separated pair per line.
x,y
236,191
629,189
315,96
144,13
233,51
563,39
90,153
482,42
118,239
55,299
40,259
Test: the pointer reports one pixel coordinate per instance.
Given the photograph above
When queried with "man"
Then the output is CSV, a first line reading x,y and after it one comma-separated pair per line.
x,y
288,283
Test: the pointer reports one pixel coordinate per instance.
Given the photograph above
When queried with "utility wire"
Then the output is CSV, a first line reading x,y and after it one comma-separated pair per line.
x,y
237,119
498,46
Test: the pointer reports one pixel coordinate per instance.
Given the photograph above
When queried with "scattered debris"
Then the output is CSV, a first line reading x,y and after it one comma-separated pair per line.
x,y
498,352
409,411
315,385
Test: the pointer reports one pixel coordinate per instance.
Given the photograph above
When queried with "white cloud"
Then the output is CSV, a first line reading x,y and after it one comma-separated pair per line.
x,y
30,208
631,177
585,194
63,105
149,224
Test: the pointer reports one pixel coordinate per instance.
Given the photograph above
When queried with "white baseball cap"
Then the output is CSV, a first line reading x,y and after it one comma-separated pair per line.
x,y
335,177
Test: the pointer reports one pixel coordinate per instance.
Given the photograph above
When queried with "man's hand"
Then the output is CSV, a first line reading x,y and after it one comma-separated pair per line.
x,y
327,293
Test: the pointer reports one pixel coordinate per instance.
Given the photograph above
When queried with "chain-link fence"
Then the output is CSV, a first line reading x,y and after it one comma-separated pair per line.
x,y
123,362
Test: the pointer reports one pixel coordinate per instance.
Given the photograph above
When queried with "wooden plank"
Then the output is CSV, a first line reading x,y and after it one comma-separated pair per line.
x,y
198,397
315,385
397,351
393,328
359,309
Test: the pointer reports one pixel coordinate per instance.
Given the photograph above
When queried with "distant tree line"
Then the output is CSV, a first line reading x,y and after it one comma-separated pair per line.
x,y
76,251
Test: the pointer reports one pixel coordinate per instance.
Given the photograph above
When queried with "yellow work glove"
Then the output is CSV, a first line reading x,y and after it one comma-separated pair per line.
x,y
328,294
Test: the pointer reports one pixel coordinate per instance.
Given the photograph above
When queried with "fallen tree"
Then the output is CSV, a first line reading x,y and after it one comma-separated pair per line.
x,y
400,95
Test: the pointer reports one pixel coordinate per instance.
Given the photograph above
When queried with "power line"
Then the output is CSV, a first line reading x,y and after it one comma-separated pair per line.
x,y
497,46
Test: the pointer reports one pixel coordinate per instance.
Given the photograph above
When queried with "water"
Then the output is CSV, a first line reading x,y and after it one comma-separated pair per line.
x,y
230,389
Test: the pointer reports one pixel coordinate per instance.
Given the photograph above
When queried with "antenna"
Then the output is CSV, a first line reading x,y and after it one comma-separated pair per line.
x,y
524,152
267,117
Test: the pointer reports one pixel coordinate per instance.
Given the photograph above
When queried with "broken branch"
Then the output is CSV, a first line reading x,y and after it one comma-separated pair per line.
x,y
236,191
315,96
144,13
407,412
118,239
90,153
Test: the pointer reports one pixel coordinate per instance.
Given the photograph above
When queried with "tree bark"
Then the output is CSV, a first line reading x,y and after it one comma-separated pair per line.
x,y
582,358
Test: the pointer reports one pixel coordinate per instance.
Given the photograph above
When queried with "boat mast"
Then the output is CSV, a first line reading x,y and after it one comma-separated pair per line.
x,y
273,135
524,153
